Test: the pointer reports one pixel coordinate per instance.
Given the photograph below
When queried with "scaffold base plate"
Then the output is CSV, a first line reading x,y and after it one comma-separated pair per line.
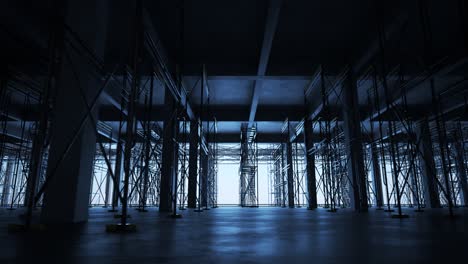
x,y
175,216
400,216
119,228
120,216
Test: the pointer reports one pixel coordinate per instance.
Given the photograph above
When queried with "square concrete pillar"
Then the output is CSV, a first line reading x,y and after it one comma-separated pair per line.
x,y
428,170
353,142
310,163
193,166
73,142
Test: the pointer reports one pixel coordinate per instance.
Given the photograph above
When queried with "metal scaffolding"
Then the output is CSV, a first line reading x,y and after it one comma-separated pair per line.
x,y
334,185
371,145
213,166
248,170
16,147
277,180
279,165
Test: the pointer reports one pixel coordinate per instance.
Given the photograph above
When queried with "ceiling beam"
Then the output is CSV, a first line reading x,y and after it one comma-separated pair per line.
x,y
237,113
13,130
107,97
270,29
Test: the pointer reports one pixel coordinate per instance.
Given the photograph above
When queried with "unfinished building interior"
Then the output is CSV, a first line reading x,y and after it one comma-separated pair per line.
x,y
338,128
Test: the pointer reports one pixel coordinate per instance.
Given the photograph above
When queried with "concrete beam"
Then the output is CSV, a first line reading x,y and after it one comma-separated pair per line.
x,y
270,29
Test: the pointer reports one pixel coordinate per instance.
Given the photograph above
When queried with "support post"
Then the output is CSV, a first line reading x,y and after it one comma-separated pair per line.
x,y
168,153
310,163
377,176
118,176
414,187
107,190
290,174
193,166
461,168
204,180
353,139
431,190
66,197
175,165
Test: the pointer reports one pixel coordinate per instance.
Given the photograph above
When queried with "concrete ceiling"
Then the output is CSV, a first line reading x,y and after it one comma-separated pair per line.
x,y
260,62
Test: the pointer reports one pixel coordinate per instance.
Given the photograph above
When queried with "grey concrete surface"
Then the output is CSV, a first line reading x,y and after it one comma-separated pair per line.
x,y
246,235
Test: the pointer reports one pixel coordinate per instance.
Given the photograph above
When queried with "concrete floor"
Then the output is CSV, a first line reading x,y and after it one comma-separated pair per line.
x,y
247,235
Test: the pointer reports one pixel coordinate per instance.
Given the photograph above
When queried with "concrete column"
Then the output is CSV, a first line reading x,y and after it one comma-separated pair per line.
x,y
461,171
175,169
377,176
193,166
169,153
290,174
204,179
7,183
428,170
414,187
353,142
33,180
310,163
69,176
118,169
107,190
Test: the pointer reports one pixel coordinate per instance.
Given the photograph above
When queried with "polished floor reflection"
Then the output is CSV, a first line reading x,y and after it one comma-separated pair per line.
x,y
247,235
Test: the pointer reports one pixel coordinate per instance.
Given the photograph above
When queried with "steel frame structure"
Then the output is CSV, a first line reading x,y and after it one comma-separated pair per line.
x,y
248,170
277,180
390,133
213,167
